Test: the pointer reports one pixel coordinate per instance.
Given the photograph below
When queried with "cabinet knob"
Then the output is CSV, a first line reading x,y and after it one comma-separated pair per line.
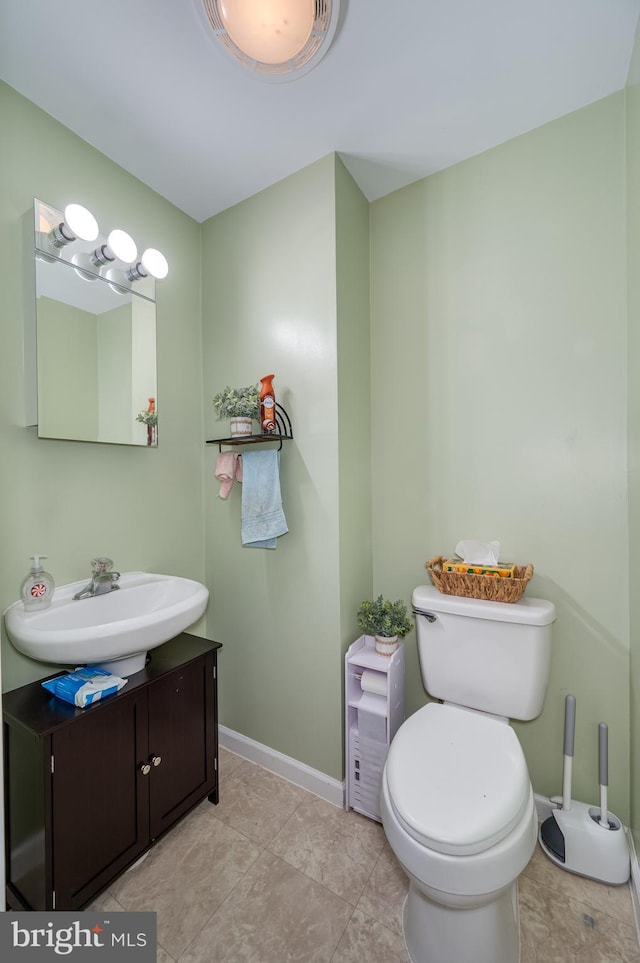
x,y
145,768
156,760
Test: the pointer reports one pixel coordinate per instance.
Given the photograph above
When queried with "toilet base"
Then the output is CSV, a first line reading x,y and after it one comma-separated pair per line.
x,y
486,933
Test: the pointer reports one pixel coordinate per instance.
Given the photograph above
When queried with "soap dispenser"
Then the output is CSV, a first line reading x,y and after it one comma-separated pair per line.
x,y
37,587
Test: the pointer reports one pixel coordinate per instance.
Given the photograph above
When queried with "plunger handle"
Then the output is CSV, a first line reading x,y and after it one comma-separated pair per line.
x,y
569,741
603,771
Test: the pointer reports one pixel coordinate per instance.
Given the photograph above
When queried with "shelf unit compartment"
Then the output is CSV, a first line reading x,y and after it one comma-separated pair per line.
x,y
369,702
367,762
372,719
373,725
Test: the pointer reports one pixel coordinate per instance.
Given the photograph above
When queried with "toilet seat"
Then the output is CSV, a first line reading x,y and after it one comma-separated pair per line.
x,y
457,779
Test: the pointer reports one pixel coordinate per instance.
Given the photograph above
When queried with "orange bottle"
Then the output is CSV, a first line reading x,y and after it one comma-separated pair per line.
x,y
267,405
152,431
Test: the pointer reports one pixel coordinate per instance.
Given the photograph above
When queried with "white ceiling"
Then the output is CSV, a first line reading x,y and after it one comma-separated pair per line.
x,y
408,87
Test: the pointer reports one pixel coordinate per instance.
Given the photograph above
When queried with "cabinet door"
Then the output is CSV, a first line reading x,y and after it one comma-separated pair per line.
x,y
181,741
100,797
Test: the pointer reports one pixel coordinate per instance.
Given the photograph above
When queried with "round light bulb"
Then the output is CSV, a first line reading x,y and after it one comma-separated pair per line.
x,y
270,31
117,281
82,267
122,245
81,222
155,263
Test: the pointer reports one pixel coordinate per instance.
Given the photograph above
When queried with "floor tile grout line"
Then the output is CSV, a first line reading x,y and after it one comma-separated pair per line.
x,y
289,782
368,916
233,888
326,888
344,930
303,801
319,882
597,908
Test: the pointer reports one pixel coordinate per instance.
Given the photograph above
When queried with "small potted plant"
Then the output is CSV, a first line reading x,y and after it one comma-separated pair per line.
x,y
386,621
241,406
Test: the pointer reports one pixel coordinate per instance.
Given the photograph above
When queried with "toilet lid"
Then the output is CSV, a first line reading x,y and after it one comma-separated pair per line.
x,y
457,779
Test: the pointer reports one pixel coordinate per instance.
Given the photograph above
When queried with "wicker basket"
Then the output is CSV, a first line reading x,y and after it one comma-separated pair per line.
x,y
486,587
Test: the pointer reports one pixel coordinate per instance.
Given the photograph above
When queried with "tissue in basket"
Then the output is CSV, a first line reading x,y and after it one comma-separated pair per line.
x,y
486,587
501,570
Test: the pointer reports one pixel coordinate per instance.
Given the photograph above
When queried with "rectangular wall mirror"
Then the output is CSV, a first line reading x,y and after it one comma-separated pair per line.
x,y
95,343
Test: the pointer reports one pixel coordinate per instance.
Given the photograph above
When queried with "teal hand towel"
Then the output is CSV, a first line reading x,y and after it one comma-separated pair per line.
x,y
262,515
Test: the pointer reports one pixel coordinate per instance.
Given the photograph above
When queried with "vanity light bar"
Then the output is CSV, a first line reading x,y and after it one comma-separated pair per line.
x,y
80,224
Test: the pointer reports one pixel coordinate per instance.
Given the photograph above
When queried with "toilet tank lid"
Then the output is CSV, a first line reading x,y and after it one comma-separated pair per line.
x,y
528,611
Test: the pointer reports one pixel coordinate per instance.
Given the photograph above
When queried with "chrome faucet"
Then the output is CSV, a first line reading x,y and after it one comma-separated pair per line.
x,y
103,580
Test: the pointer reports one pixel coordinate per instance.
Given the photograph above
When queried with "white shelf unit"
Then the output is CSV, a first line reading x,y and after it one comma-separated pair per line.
x,y
371,720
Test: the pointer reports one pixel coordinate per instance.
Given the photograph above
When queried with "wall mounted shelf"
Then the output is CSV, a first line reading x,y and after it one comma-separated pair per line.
x,y
284,433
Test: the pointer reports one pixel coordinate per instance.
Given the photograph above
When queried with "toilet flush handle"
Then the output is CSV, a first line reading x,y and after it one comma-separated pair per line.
x,y
429,616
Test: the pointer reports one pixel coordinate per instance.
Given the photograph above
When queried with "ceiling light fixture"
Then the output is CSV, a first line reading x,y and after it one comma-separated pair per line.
x,y
278,40
95,256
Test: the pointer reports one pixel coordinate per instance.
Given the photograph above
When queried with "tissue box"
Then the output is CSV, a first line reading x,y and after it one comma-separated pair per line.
x,y
84,686
501,570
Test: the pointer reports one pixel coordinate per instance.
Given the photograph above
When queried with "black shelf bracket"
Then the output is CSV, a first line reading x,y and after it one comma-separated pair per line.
x,y
283,432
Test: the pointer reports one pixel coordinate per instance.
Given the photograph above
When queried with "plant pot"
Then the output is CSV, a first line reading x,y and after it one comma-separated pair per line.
x,y
240,426
386,645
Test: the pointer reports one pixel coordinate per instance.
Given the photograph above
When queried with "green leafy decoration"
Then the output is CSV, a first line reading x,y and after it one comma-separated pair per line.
x,y
238,402
384,618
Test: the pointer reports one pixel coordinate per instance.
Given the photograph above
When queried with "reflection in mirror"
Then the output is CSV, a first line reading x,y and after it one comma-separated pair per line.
x,y
96,340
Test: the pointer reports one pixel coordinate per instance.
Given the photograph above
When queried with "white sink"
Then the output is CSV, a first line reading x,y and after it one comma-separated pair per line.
x,y
115,630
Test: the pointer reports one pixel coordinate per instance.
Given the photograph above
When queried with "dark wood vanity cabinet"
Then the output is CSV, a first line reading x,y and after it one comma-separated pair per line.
x,y
87,791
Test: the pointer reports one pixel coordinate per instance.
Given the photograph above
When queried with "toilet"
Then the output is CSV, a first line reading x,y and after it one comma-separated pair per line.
x,y
456,799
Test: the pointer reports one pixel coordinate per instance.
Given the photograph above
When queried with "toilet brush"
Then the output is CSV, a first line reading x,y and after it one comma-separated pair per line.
x,y
603,772
586,840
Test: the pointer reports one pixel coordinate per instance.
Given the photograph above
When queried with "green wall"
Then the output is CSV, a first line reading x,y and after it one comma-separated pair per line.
x,y
73,500
354,389
499,333
633,302
486,396
276,300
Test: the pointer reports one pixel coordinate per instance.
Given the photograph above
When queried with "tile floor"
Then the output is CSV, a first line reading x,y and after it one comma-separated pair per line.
x,y
273,874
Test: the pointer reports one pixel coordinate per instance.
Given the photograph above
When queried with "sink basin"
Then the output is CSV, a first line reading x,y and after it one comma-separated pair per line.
x,y
115,630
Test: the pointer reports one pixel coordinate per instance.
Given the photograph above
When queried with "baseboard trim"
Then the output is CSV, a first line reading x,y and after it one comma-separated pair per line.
x,y
544,806
634,883
290,769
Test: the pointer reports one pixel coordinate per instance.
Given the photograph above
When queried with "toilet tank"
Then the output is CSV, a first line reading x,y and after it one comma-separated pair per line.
x,y
492,656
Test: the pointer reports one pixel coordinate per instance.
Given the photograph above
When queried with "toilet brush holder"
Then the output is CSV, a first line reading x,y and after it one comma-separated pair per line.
x,y
583,839
575,840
